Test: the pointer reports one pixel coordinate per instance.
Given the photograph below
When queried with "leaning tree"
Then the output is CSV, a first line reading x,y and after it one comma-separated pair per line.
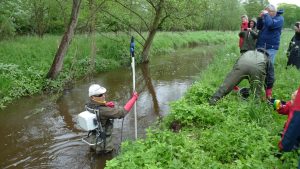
x,y
65,42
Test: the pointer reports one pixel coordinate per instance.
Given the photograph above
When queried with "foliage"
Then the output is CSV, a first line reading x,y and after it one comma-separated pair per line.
x,y
17,82
13,16
51,16
44,16
163,148
254,7
291,14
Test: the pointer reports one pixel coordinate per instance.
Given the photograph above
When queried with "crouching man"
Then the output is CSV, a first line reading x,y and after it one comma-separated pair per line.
x,y
256,67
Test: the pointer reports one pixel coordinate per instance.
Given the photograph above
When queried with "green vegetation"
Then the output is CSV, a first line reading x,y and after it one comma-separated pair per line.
x,y
233,134
39,17
291,14
25,61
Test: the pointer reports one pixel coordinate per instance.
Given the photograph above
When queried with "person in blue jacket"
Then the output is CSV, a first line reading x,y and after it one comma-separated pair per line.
x,y
269,24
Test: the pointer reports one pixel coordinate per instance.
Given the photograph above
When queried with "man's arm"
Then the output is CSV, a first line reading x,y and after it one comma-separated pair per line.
x,y
254,34
290,47
259,23
273,23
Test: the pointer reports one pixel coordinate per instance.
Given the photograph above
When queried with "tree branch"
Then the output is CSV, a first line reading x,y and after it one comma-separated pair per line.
x,y
138,15
94,13
151,3
125,24
163,20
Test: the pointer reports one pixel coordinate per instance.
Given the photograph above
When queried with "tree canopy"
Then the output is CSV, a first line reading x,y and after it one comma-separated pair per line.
x,y
291,14
37,17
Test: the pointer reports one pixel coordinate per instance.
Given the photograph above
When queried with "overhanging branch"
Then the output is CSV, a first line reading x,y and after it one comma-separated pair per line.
x,y
130,26
138,15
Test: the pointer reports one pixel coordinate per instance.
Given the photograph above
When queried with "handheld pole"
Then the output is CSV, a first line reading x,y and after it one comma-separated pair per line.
x,y
133,81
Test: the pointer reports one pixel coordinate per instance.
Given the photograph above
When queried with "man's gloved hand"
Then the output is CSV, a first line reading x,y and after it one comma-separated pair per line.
x,y
131,102
110,104
269,93
135,94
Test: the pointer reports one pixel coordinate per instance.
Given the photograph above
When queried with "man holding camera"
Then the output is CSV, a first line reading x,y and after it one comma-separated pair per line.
x,y
269,24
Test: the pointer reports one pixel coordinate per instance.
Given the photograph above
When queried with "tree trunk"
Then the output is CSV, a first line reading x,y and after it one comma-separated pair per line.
x,y
147,45
152,32
65,42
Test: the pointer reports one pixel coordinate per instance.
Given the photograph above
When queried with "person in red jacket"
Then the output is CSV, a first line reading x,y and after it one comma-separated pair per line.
x,y
106,112
244,27
290,138
283,107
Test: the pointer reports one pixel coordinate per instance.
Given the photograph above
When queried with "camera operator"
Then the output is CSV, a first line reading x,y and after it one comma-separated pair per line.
x,y
269,24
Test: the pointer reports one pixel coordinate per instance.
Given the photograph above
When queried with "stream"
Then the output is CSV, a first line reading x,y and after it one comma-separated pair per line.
x,y
41,131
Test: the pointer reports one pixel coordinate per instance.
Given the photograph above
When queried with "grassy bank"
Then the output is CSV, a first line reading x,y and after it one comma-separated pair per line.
x,y
233,134
25,61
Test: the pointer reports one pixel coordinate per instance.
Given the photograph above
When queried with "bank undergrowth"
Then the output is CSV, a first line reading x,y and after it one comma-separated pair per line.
x,y
233,134
25,61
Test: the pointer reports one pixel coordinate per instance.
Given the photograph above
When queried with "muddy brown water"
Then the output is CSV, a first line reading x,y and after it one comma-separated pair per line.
x,y
41,132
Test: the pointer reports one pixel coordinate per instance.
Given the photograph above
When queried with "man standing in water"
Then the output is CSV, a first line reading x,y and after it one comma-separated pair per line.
x,y
107,112
269,24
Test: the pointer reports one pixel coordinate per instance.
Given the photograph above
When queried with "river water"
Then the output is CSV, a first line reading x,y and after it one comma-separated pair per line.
x,y
42,132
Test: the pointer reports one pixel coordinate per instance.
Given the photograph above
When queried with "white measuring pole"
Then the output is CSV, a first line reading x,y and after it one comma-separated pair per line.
x,y
133,82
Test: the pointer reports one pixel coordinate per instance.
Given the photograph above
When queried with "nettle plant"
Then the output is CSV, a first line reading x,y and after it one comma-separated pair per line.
x,y
16,82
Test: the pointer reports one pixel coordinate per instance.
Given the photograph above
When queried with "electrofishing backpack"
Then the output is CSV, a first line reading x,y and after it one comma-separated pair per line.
x,y
89,120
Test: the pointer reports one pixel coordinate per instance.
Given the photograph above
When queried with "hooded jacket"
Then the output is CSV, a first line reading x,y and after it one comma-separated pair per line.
x,y
270,30
249,38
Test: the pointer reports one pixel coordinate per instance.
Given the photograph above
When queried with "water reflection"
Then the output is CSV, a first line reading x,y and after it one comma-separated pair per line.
x,y
150,87
41,132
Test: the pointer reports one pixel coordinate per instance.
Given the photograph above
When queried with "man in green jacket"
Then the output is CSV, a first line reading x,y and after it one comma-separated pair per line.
x,y
256,67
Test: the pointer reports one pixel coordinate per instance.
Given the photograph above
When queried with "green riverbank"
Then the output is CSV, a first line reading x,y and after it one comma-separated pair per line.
x,y
233,134
25,61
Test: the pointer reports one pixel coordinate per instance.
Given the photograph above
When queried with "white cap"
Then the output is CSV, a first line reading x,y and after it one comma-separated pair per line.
x,y
96,89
